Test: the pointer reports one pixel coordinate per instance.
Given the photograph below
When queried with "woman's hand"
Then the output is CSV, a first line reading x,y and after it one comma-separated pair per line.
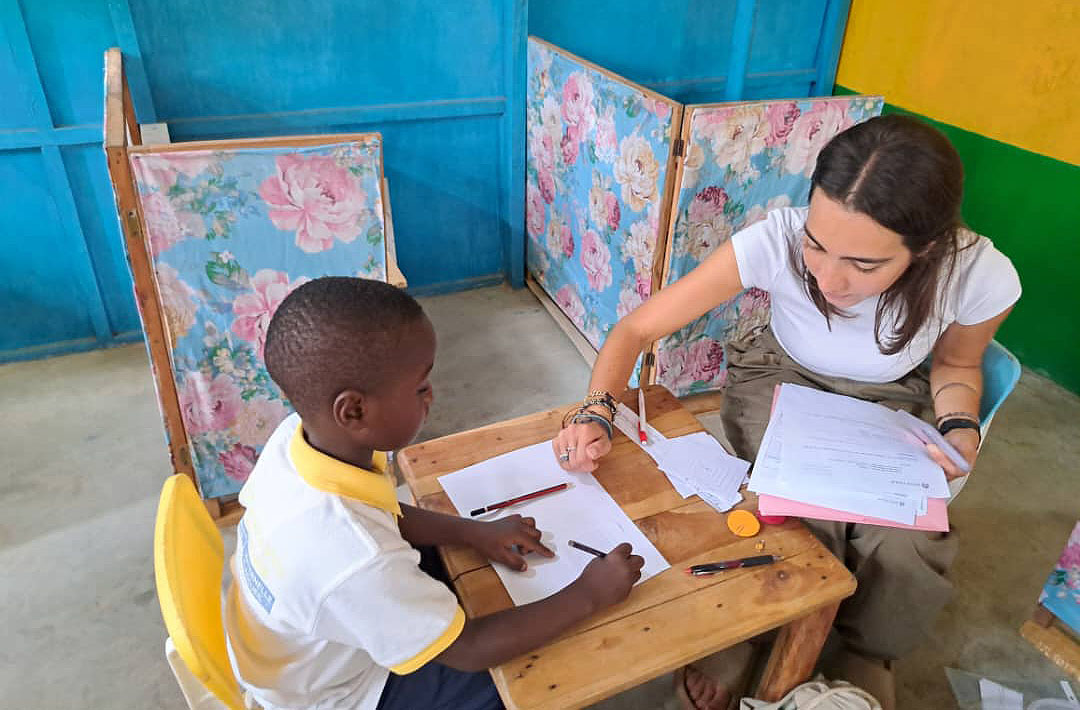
x,y
966,443
579,446
508,540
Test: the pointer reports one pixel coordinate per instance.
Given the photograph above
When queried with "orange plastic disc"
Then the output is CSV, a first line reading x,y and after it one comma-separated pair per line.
x,y
743,523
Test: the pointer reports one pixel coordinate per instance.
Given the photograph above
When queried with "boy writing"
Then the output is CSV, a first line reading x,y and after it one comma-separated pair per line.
x,y
329,605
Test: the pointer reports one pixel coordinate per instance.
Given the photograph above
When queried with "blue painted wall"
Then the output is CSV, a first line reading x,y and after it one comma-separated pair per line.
x,y
443,82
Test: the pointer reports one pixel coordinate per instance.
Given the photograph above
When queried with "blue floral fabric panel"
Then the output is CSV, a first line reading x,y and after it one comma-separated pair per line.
x,y
741,161
230,234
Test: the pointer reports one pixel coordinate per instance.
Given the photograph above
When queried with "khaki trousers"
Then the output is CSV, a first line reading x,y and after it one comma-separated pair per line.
x,y
901,574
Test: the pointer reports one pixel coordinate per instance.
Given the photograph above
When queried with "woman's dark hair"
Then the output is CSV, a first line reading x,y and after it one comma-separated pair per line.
x,y
907,177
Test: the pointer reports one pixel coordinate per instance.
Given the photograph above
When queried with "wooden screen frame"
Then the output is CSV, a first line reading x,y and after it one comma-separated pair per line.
x,y
123,138
663,229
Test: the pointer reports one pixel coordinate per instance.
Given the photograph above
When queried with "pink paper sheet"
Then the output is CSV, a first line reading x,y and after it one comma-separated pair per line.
x,y
936,518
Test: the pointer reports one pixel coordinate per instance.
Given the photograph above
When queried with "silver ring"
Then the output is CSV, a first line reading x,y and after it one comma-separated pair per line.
x,y
566,456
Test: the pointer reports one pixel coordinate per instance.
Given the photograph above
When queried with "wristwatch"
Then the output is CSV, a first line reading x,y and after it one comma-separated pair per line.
x,y
958,423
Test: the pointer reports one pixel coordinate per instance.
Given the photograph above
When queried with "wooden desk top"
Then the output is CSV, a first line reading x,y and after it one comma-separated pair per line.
x,y
668,620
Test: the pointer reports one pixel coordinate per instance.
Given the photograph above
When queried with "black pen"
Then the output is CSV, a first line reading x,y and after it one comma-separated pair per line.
x,y
714,567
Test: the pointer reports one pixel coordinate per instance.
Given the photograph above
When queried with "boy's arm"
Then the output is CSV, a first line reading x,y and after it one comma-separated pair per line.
x,y
491,640
505,540
425,527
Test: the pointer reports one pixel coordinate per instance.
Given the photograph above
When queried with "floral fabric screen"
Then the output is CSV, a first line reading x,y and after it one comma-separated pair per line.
x,y
230,232
741,161
1061,593
598,158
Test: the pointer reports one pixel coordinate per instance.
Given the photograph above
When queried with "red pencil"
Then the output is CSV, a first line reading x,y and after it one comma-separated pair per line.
x,y
519,499
641,417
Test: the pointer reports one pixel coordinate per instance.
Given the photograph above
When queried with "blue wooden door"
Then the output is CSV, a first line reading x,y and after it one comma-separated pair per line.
x,y
443,82
701,51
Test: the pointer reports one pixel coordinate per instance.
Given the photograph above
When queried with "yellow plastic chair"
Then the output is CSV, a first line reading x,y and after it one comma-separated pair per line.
x,y
189,560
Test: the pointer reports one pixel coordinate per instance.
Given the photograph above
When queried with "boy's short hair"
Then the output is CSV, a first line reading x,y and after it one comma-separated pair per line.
x,y
336,333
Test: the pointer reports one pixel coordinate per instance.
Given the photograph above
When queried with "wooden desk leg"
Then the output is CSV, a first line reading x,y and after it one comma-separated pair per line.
x,y
795,652
1042,616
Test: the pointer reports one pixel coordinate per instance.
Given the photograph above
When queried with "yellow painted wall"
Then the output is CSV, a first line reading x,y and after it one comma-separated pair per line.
x,y
1006,69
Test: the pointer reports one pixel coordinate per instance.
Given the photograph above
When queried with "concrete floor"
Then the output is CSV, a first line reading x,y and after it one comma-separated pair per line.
x,y
83,460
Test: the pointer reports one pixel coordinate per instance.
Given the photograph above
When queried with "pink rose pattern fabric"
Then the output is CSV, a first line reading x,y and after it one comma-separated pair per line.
x,y
597,157
231,233
742,160
1061,593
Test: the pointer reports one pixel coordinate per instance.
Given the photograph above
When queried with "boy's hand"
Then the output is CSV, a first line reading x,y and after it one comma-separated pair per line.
x,y
607,580
507,540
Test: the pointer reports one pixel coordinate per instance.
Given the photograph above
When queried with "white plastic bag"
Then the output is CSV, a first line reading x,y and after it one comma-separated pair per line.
x,y
818,695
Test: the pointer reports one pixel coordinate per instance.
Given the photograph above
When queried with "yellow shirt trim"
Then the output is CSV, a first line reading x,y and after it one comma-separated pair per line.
x,y
330,475
437,646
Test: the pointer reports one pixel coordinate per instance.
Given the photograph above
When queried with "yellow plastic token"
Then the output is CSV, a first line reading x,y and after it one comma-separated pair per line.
x,y
743,523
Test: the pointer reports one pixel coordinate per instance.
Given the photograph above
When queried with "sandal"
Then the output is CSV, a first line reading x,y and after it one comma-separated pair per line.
x,y
729,668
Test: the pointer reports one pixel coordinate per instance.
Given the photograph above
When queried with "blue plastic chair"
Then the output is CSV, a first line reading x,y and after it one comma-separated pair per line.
x,y
1001,372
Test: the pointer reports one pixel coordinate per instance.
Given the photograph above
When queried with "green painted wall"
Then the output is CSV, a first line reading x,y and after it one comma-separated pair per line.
x,y
1029,205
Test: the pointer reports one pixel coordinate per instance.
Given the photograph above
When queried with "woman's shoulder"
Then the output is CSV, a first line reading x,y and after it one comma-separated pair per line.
x,y
778,225
977,253
984,281
786,220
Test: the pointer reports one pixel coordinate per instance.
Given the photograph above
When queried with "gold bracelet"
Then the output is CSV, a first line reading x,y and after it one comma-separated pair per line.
x,y
954,384
602,399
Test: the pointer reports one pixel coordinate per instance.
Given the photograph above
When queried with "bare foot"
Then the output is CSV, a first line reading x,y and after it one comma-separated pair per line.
x,y
705,692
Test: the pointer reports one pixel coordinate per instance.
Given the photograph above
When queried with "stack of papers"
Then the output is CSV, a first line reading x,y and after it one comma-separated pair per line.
x,y
584,512
695,463
839,458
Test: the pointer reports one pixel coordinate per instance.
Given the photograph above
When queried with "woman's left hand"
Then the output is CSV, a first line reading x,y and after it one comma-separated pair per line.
x,y
966,443
507,540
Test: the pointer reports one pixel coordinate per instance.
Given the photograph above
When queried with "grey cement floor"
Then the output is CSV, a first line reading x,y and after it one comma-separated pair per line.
x,y
83,460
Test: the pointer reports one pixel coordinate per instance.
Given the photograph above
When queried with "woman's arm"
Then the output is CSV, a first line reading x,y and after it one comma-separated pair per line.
x,y
713,282
956,384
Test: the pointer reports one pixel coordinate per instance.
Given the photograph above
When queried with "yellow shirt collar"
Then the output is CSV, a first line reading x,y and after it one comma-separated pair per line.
x,y
332,476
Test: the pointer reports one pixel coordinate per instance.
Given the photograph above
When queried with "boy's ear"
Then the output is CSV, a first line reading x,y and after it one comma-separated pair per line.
x,y
350,410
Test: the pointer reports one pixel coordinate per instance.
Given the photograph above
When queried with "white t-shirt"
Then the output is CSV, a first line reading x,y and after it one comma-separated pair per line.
x,y
983,285
327,598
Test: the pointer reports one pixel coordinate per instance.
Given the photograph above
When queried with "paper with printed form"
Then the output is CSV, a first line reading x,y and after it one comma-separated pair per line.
x,y
694,464
836,452
584,512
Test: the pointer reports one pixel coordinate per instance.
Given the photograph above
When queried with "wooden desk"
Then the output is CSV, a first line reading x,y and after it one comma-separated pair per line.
x,y
669,620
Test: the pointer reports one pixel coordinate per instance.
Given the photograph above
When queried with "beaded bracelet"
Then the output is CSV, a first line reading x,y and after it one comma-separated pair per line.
x,y
571,416
583,417
580,409
600,398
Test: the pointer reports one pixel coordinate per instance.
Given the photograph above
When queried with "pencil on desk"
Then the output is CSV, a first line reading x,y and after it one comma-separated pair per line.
x,y
519,499
585,548
641,416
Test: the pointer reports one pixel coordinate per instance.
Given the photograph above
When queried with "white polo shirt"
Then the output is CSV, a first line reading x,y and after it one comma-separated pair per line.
x,y
984,284
327,598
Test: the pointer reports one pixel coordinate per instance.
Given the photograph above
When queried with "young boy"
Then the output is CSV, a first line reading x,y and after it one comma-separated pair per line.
x,y
328,607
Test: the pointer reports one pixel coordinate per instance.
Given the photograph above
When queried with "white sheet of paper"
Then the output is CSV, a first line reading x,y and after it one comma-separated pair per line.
x,y
927,434
998,697
694,463
845,442
584,512
700,461
784,469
